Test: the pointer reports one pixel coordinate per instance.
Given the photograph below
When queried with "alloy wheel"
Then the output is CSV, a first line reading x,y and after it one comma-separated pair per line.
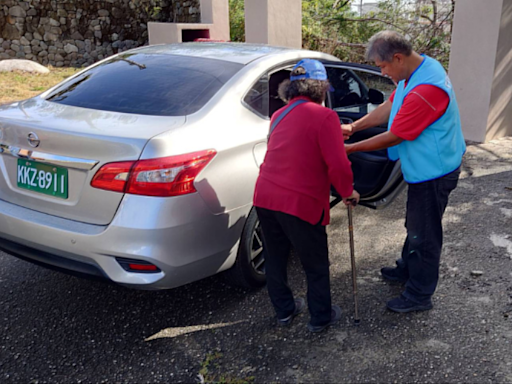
x,y
257,254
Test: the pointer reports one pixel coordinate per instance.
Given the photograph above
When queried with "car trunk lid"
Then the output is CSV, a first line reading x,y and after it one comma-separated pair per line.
x,y
50,153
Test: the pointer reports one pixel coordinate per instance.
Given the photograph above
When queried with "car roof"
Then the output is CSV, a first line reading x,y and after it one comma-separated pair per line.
x,y
242,53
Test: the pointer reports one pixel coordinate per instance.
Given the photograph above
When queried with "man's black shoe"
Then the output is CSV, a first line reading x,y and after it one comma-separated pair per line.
x,y
335,317
393,274
403,305
300,304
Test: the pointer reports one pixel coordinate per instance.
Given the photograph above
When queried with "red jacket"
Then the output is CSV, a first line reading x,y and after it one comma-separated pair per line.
x,y
305,155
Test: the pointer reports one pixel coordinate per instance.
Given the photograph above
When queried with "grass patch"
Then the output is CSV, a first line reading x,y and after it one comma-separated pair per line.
x,y
17,86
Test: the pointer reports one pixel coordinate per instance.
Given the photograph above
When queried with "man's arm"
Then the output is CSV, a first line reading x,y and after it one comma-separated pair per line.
x,y
423,106
377,117
382,141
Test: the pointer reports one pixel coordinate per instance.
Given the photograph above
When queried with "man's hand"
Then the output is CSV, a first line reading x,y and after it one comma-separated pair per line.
x,y
353,199
348,130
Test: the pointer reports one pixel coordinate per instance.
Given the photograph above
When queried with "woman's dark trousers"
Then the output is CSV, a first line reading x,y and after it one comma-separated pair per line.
x,y
281,232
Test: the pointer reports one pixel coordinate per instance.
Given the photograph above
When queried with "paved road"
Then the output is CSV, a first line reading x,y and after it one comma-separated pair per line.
x,y
57,328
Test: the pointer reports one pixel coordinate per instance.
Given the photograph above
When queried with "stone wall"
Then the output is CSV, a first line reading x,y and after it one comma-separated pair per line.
x,y
80,32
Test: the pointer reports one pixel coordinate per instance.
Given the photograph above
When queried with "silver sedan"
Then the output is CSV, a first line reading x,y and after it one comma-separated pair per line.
x,y
141,168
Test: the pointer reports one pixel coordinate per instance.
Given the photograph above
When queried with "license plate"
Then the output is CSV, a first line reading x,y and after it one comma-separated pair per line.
x,y
43,178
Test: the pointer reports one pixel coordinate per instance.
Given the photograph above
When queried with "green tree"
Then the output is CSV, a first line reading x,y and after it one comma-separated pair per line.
x,y
427,24
331,26
326,28
237,20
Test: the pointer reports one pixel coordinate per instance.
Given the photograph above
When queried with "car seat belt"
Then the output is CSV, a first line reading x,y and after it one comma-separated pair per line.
x,y
282,115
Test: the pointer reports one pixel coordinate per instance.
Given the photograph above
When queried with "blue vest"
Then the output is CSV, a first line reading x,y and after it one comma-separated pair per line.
x,y
438,150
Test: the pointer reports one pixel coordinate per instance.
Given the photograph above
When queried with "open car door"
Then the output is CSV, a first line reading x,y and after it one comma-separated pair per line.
x,y
359,89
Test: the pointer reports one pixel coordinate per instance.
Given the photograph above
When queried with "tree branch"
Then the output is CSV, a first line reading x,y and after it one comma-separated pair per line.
x,y
434,10
337,42
371,19
448,16
337,2
426,17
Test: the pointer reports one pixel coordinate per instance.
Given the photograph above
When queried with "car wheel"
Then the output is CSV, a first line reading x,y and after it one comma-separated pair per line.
x,y
249,268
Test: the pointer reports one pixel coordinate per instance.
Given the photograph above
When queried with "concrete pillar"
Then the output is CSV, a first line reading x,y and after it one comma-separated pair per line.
x,y
481,67
216,12
274,22
499,123
214,25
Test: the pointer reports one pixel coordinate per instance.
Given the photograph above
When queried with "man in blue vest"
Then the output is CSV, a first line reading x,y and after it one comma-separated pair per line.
x,y
424,132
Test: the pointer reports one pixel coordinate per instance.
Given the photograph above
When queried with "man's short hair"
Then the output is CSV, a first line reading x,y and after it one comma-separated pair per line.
x,y
385,44
314,89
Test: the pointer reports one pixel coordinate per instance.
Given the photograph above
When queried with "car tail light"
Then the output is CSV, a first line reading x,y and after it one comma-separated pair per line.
x,y
137,266
166,176
113,176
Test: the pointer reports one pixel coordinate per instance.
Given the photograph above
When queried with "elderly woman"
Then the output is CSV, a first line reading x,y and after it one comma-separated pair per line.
x,y
305,156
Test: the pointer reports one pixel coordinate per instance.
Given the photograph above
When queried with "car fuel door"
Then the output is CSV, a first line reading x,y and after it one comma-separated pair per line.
x,y
358,90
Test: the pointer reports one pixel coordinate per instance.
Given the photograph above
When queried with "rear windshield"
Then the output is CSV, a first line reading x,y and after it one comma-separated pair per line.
x,y
147,84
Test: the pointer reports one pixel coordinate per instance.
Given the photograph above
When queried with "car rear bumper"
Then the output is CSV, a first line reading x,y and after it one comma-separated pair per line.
x,y
179,235
49,260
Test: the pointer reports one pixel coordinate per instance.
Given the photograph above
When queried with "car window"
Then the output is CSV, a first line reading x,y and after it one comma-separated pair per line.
x,y
353,85
381,83
263,97
257,98
147,84
351,89
348,89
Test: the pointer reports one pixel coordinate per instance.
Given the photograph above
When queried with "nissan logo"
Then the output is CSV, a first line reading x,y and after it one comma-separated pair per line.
x,y
33,140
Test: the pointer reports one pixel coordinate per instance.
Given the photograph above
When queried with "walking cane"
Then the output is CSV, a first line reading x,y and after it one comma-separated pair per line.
x,y
353,203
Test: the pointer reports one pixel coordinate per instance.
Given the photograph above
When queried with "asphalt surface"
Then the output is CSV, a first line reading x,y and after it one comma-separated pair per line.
x,y
58,328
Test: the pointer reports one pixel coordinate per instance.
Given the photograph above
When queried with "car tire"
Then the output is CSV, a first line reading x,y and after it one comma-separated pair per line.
x,y
249,268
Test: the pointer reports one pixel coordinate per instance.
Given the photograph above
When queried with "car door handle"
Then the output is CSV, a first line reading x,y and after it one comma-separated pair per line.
x,y
346,120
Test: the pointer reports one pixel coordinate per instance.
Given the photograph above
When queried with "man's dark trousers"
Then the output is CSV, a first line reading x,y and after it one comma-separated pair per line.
x,y
421,254
282,231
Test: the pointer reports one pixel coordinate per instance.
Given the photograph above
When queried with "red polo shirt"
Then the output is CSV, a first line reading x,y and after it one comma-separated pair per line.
x,y
424,105
305,155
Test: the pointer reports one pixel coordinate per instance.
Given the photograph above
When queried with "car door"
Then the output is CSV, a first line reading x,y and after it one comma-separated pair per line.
x,y
357,90
263,100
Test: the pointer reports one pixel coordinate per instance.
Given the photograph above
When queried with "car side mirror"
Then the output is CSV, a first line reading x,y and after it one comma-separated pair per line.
x,y
375,96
